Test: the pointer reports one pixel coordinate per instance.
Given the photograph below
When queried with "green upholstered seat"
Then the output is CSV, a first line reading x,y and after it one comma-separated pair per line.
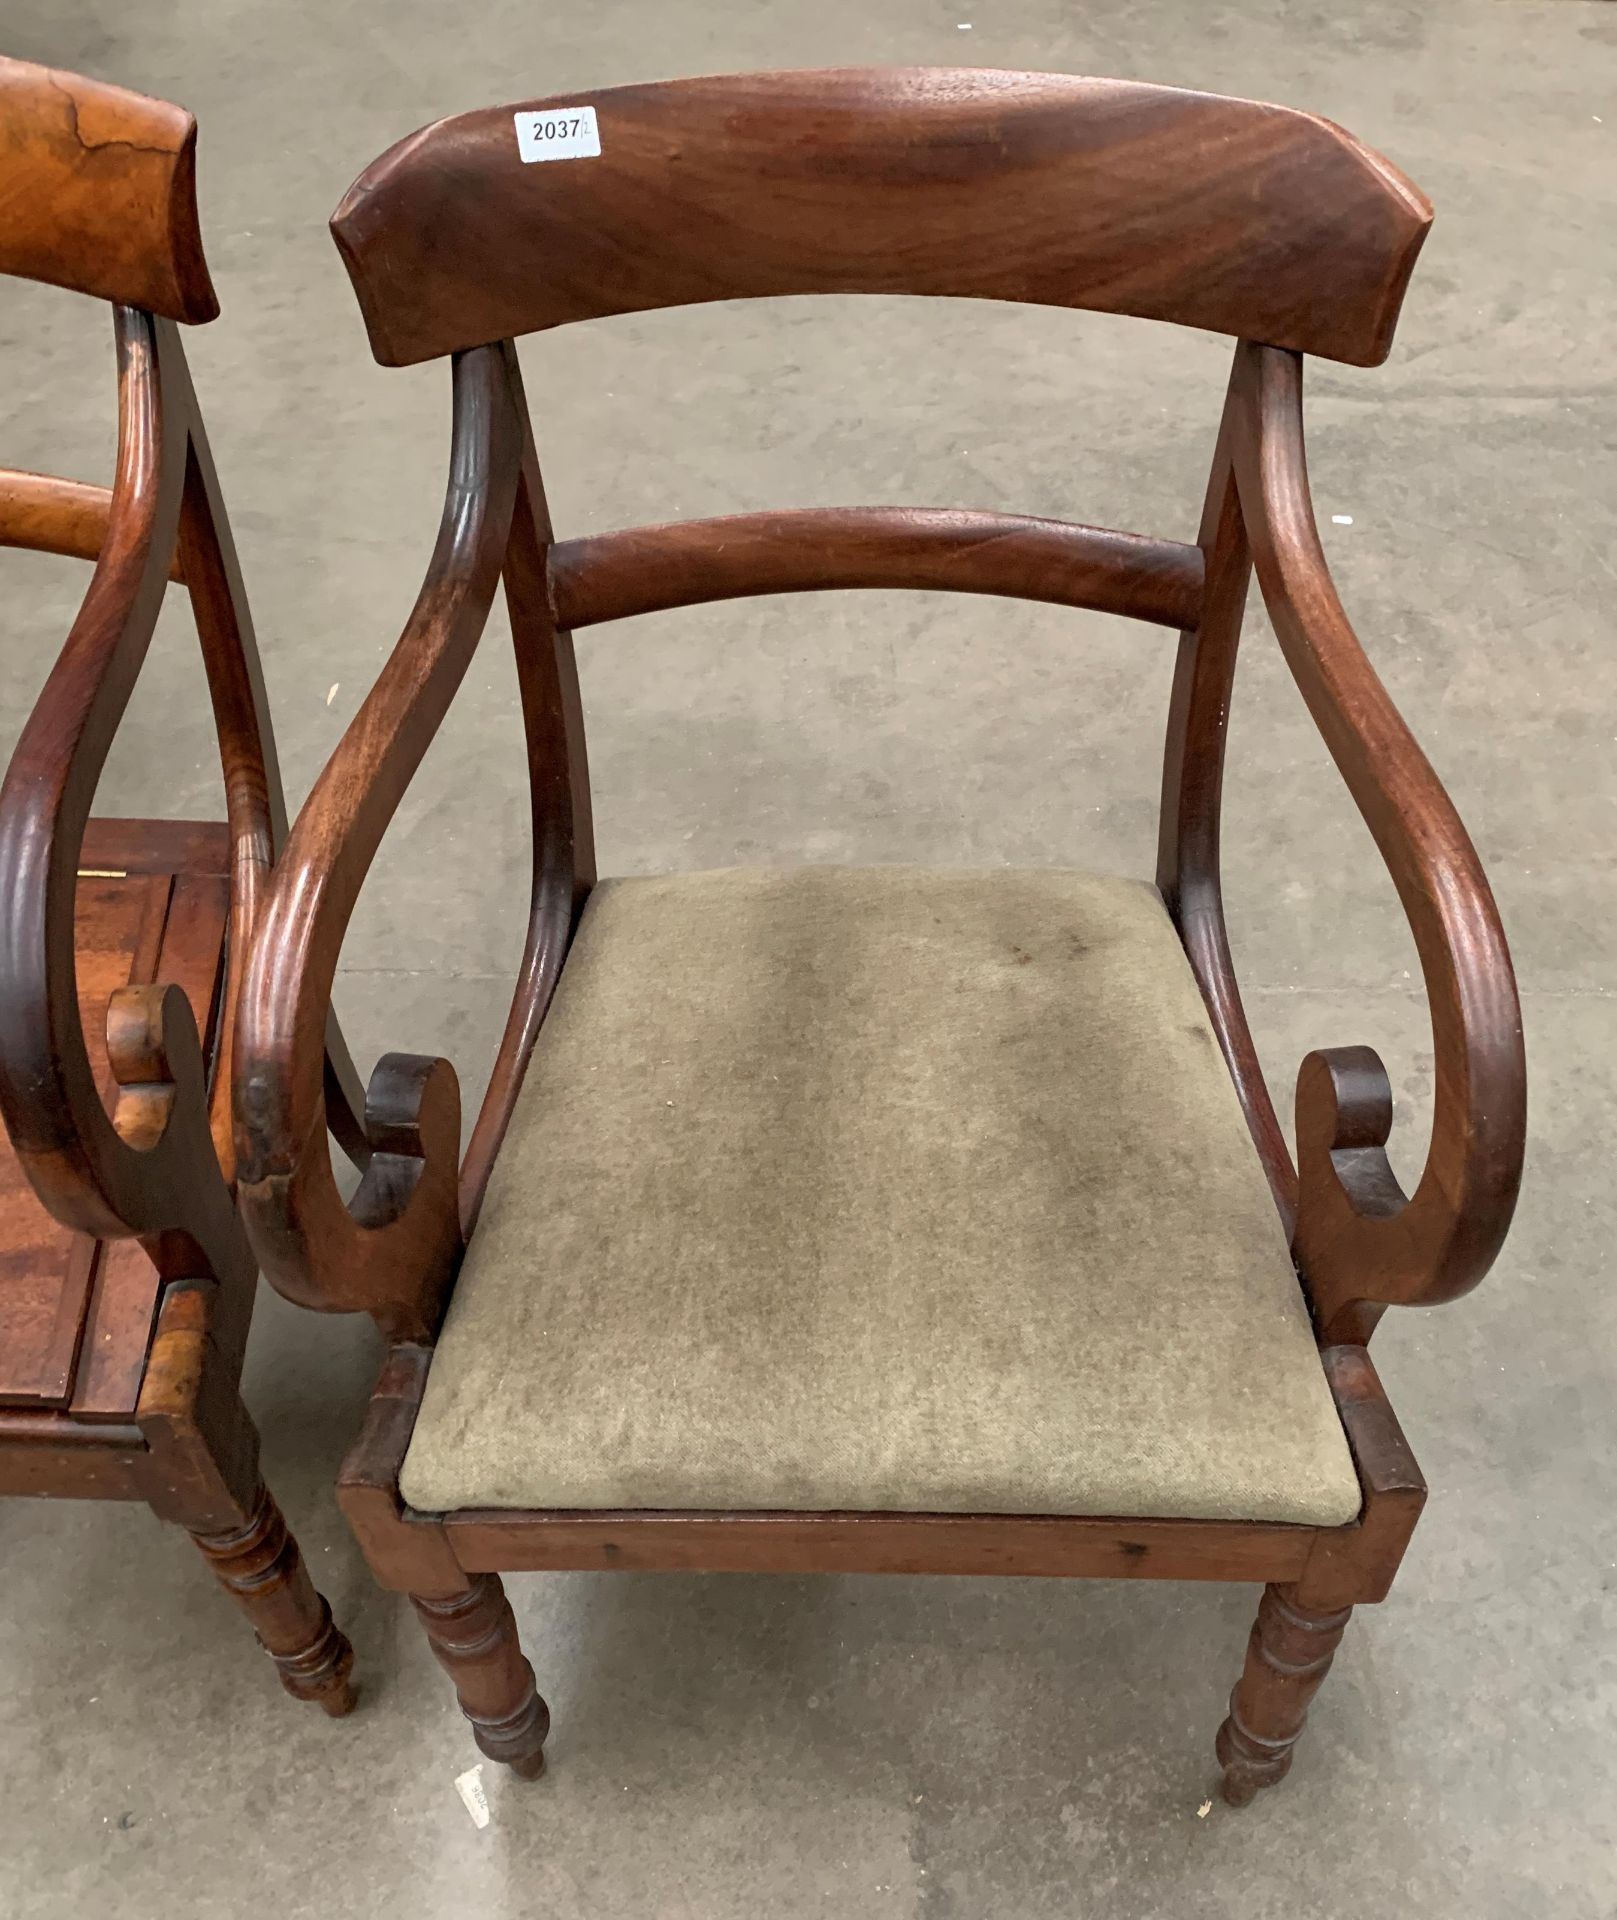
x,y
880,1189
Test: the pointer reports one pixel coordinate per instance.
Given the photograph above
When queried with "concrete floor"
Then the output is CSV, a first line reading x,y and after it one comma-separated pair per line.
x,y
747,1746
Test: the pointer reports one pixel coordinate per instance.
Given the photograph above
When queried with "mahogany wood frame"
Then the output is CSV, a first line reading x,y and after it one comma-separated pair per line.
x,y
101,200
1182,207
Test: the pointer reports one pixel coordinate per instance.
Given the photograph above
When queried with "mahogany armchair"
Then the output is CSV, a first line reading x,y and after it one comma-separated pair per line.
x,y
124,1308
885,1220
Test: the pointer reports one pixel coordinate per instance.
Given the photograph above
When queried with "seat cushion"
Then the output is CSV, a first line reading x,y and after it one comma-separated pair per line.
x,y
879,1189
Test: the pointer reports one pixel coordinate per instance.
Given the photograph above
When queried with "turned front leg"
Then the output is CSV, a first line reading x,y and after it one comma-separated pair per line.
x,y
474,1635
1288,1655
258,1564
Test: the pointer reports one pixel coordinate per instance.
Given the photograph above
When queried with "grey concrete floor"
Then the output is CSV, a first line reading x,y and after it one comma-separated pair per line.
x,y
736,1746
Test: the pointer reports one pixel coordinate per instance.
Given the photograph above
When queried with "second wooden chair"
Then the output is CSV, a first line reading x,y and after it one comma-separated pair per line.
x,y
124,1308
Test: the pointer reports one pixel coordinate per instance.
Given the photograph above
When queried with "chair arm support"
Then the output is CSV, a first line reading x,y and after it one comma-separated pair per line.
x,y
1360,1243
149,1168
394,1250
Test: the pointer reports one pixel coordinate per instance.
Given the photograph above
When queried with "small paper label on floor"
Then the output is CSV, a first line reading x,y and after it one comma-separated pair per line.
x,y
470,1788
560,133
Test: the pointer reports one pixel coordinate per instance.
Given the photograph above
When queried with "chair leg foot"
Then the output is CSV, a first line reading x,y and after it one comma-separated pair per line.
x,y
258,1564
474,1635
1288,1655
1240,1788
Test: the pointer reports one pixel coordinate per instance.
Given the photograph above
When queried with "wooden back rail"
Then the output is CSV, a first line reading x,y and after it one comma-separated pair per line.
x,y
1255,221
98,193
611,576
43,514
161,1164
1267,224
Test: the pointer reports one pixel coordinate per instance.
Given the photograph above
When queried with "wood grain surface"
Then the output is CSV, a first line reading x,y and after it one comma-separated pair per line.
x,y
98,192
1251,220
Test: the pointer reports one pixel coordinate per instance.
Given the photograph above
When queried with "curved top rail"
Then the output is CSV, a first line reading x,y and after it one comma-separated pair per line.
x,y
98,192
1252,220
